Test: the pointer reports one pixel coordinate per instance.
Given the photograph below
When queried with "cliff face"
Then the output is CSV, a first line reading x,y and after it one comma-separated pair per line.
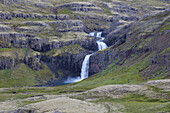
x,y
51,39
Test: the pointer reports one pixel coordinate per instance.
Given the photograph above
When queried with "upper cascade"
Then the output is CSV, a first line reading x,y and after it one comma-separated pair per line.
x,y
100,43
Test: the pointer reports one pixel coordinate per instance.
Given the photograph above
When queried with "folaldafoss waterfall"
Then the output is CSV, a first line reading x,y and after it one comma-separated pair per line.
x,y
85,67
85,64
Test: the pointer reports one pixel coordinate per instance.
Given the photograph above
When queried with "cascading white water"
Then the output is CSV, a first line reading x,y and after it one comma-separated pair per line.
x,y
85,65
101,45
84,71
99,34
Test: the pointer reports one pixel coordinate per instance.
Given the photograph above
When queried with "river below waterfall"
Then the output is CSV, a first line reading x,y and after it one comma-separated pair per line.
x,y
85,65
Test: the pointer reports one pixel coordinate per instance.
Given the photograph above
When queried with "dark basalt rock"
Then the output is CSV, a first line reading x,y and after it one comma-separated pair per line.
x,y
8,62
70,64
24,110
9,16
78,6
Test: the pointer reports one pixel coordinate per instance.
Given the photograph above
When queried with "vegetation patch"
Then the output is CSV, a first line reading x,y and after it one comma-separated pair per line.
x,y
64,11
72,49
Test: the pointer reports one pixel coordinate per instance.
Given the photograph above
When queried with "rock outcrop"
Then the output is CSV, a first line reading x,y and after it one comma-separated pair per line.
x,y
80,6
9,16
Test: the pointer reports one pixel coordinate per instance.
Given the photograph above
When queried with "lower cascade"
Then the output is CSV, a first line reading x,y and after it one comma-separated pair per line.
x,y
85,65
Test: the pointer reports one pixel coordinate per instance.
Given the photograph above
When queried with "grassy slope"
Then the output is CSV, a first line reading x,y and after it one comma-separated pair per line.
x,y
21,74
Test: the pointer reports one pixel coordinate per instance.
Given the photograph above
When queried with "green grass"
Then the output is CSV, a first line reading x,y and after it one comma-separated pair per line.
x,y
22,75
136,103
139,107
106,11
12,52
4,97
5,49
64,11
45,75
72,49
166,51
165,27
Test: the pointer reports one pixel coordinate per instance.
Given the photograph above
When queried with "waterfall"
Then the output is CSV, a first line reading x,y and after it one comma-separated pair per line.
x,y
85,64
84,71
85,67
101,45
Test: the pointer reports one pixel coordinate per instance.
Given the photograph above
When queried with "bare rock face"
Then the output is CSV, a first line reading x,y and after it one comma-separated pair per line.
x,y
80,6
4,15
18,39
9,16
8,2
8,62
4,28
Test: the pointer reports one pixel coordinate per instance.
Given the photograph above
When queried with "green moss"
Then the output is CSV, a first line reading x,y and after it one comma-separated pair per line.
x,y
165,108
64,11
166,51
12,52
72,49
29,102
165,27
139,107
107,11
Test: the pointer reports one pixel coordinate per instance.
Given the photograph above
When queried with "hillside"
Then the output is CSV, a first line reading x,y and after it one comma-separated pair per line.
x,y
44,42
